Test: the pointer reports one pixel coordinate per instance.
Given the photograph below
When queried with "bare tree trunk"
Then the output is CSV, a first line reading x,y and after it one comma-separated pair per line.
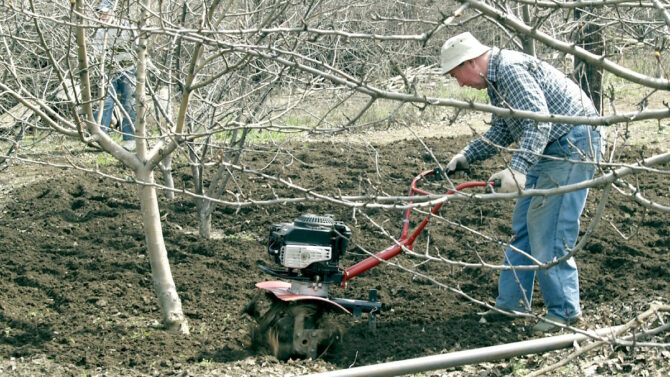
x,y
163,101
590,77
166,168
205,219
219,182
528,41
168,299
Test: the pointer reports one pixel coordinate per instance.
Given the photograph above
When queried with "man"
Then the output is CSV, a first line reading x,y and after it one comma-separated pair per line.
x,y
117,44
543,226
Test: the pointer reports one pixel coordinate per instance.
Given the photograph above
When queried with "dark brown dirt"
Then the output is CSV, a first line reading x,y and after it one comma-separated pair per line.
x,y
75,282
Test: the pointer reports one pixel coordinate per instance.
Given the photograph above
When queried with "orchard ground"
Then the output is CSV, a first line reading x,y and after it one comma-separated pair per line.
x,y
76,295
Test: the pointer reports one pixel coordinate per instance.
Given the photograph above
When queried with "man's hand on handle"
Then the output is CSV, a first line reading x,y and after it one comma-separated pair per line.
x,y
457,163
510,180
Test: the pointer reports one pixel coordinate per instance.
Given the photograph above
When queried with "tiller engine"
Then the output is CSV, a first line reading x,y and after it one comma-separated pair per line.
x,y
297,322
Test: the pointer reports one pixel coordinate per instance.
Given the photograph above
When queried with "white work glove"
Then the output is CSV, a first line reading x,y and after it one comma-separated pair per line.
x,y
510,180
458,162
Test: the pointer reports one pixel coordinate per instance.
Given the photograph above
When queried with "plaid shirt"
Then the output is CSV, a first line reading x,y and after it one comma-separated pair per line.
x,y
522,82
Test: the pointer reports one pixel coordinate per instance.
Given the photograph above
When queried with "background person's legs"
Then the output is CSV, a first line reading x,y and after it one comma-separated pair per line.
x,y
126,90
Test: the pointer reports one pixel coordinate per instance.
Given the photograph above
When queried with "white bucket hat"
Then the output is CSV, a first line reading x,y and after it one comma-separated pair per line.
x,y
105,6
459,49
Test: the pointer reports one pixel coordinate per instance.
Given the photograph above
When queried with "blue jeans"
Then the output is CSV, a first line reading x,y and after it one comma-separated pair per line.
x,y
544,226
123,88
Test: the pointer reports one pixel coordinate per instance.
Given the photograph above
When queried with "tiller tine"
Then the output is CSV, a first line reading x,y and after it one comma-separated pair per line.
x,y
300,329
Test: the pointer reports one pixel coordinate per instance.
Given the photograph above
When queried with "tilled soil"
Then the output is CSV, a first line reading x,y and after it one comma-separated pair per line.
x,y
76,293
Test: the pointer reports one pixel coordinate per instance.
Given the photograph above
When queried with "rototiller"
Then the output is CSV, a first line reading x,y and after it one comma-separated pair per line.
x,y
309,251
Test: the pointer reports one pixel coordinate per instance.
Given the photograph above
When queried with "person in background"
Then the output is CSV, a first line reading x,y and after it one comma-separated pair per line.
x,y
117,45
547,155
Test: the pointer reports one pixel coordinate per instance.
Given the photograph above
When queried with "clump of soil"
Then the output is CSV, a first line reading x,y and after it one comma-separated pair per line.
x,y
75,281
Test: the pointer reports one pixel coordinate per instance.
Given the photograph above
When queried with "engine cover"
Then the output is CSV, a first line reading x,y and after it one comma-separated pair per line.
x,y
301,256
309,247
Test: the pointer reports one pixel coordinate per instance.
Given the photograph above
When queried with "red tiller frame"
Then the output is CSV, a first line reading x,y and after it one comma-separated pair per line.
x,y
406,240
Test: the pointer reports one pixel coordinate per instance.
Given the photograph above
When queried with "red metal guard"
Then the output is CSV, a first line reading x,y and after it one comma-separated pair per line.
x,y
405,239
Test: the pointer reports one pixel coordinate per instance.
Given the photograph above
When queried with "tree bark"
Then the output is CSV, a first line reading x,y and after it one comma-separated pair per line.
x,y
168,299
166,168
527,40
205,220
589,77
163,100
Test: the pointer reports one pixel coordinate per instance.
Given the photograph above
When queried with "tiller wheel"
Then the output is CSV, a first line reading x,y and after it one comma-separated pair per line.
x,y
299,329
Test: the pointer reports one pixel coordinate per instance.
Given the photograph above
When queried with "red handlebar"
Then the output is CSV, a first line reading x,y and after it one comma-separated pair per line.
x,y
405,240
